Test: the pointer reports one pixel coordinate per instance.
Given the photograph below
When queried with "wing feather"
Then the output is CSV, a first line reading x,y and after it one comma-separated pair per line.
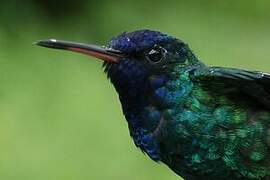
x,y
253,84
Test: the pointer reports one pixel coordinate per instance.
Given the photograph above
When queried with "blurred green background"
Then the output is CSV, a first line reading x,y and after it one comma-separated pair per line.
x,y
60,116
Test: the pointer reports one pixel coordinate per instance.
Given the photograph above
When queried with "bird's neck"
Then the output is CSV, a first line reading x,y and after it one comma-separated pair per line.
x,y
146,99
146,107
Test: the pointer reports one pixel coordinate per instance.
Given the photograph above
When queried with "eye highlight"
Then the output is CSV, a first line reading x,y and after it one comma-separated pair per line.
x,y
156,55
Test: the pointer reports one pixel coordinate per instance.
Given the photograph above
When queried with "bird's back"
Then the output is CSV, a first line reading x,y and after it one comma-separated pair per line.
x,y
220,128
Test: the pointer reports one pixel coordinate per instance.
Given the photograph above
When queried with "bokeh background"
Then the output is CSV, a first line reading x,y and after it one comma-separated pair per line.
x,y
60,119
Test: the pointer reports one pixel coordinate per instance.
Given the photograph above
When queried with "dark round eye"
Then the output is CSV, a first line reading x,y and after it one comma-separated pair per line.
x,y
156,55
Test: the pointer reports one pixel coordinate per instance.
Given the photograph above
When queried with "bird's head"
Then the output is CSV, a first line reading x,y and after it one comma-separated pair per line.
x,y
135,62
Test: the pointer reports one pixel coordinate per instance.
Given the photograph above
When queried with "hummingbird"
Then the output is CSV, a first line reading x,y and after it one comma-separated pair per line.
x,y
202,122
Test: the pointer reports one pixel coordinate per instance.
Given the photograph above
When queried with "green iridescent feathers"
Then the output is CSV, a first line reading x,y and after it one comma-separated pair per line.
x,y
223,125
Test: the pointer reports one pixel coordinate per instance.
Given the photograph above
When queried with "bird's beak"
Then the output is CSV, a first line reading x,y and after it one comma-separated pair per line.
x,y
106,54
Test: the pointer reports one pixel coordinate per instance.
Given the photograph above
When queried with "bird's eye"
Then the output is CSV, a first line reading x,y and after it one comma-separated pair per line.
x,y
156,55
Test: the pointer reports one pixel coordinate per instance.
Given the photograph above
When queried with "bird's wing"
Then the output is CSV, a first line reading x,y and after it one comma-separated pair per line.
x,y
252,84
248,93
233,124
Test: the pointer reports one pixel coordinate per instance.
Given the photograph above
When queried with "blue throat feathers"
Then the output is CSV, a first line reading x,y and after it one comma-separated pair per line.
x,y
133,85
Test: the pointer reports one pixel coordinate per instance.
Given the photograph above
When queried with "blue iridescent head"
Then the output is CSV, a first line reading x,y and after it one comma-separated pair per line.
x,y
136,62
146,54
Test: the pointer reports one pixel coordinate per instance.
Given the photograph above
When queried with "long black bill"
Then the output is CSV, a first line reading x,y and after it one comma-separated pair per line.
x,y
106,54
